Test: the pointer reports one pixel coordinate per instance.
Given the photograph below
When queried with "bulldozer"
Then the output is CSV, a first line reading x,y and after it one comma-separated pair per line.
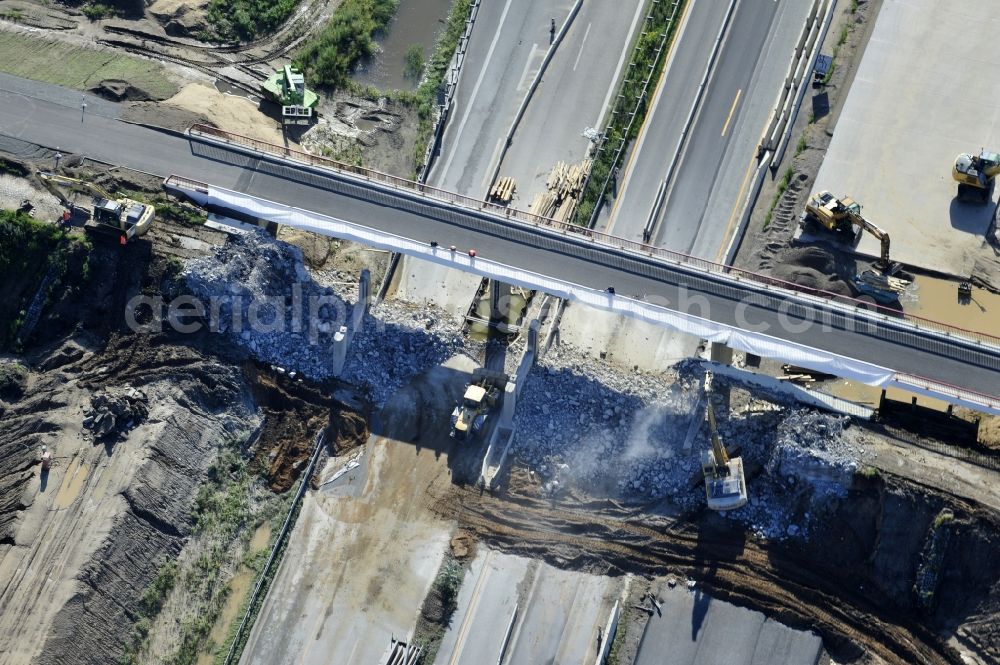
x,y
974,175
126,217
843,216
725,484
481,395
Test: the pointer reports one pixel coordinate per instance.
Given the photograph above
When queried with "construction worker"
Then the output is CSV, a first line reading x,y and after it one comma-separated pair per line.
x,y
552,32
46,458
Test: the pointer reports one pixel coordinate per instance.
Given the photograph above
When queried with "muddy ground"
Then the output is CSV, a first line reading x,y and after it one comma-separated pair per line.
x,y
82,543
851,583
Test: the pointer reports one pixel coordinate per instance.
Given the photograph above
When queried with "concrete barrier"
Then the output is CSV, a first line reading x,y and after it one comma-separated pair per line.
x,y
503,433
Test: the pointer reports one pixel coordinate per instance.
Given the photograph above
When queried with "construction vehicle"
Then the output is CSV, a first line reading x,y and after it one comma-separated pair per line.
x,y
124,216
287,87
974,175
843,216
725,485
481,394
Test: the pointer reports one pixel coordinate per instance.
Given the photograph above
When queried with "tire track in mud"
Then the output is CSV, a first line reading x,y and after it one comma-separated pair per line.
x,y
615,540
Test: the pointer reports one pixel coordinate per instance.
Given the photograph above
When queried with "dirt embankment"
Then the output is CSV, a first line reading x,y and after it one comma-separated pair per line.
x,y
80,544
852,582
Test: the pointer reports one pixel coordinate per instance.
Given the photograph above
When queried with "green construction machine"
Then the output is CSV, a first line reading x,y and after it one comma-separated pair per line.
x,y
287,87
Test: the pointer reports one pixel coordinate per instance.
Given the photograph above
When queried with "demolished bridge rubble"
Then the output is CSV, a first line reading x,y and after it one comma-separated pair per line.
x,y
587,425
268,303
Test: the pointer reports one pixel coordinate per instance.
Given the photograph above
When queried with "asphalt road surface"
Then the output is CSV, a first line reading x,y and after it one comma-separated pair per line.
x,y
709,181
695,629
538,250
506,48
573,95
559,613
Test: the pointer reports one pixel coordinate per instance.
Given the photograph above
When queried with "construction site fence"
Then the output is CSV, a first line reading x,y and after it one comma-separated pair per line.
x,y
480,206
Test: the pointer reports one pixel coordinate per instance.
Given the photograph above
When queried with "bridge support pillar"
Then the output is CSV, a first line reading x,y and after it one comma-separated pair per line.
x,y
721,354
340,341
495,314
531,346
364,299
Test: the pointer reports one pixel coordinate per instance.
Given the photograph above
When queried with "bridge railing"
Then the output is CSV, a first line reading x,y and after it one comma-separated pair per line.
x,y
503,211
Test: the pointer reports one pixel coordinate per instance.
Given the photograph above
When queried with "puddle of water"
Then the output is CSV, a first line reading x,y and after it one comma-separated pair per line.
x,y
366,125
937,299
416,22
261,537
239,589
72,484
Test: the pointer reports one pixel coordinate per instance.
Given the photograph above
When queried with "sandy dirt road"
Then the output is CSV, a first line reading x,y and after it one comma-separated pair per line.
x,y
367,546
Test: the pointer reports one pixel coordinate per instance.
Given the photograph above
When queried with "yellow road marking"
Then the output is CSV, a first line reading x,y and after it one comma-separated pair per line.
x,y
732,109
645,123
736,208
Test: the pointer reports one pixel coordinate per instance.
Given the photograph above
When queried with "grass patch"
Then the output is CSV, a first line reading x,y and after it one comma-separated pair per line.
x,y
845,32
782,186
244,20
15,169
327,59
78,67
868,472
644,57
614,654
225,514
414,61
801,146
854,6
13,379
14,14
28,249
438,608
95,11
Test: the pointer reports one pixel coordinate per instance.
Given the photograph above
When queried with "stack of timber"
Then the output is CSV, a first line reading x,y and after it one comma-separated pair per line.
x,y
564,185
503,191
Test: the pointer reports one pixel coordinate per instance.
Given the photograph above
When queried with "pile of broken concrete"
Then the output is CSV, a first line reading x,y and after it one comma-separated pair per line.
x,y
116,411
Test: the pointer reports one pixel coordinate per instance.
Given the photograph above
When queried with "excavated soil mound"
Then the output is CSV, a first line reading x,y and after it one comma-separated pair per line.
x,y
294,411
814,267
120,91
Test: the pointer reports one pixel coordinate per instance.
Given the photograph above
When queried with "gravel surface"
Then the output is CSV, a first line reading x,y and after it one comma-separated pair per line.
x,y
641,436
254,277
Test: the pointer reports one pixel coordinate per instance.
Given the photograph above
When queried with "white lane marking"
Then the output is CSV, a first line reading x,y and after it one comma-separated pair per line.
x,y
475,90
581,46
527,74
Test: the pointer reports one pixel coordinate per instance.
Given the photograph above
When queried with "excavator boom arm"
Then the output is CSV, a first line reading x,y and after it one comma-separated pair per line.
x,y
73,182
719,450
879,233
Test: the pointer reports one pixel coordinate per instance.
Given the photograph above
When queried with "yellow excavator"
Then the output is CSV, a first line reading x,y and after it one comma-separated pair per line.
x,y
725,485
843,215
126,217
974,175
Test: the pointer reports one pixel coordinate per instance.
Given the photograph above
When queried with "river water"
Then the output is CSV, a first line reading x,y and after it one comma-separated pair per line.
x,y
417,22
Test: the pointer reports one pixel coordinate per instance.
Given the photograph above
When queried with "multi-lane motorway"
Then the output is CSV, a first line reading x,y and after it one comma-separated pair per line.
x,y
712,171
